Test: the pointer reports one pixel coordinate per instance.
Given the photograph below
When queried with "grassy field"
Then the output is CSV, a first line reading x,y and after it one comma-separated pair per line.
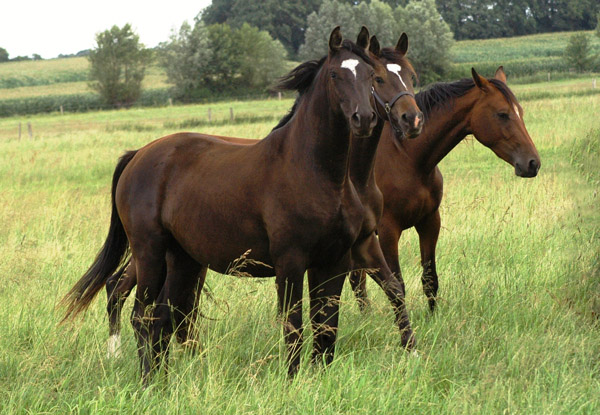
x,y
517,329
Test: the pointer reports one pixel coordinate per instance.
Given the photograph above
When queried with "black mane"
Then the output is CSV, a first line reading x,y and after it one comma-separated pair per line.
x,y
442,94
301,77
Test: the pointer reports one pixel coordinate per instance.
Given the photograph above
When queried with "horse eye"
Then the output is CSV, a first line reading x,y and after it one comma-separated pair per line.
x,y
333,75
503,115
379,80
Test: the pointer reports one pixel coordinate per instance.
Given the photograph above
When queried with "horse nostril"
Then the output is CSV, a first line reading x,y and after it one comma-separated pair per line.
x,y
355,118
419,119
405,118
534,166
373,116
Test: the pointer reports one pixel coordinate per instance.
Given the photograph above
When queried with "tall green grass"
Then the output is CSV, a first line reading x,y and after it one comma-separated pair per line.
x,y
517,329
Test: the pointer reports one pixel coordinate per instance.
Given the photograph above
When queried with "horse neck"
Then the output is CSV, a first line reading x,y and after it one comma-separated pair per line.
x,y
322,137
445,127
362,157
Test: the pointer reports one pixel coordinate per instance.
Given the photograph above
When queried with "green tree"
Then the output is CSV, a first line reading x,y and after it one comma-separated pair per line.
x,y
430,38
332,13
186,58
578,52
117,66
379,18
283,20
3,55
560,15
263,58
205,60
598,25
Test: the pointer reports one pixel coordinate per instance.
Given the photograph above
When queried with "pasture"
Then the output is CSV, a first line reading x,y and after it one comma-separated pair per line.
x,y
517,328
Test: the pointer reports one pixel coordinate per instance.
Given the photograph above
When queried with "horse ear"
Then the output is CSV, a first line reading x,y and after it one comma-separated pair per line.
x,y
374,46
335,40
500,75
480,81
362,40
402,45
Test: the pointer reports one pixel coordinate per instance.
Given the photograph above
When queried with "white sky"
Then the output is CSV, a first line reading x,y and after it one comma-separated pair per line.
x,y
52,27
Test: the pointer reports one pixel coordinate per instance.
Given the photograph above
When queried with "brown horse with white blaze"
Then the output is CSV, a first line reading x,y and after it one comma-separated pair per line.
x,y
395,73
187,201
407,171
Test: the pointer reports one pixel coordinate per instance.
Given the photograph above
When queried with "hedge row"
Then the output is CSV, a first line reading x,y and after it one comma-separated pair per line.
x,y
73,103
92,102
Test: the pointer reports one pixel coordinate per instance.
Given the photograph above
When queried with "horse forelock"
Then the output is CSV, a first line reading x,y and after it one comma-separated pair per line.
x,y
505,90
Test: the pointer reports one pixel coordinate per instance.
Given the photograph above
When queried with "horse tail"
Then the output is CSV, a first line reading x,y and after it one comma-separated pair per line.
x,y
111,256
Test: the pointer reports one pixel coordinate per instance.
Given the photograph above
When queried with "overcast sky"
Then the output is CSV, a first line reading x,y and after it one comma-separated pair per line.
x,y
50,28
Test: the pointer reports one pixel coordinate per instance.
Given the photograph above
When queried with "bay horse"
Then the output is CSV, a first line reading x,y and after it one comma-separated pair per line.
x,y
407,172
188,201
399,72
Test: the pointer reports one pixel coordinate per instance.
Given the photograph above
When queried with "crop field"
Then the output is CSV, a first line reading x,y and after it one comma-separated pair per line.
x,y
30,87
518,324
525,58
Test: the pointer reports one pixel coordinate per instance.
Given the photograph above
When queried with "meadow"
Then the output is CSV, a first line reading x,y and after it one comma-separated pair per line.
x,y
518,324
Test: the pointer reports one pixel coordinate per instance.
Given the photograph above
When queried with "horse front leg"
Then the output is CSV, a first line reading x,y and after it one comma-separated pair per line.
x,y
289,281
429,230
325,290
367,254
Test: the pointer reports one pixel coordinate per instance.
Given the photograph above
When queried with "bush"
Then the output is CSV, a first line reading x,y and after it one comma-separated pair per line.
x,y
216,59
578,52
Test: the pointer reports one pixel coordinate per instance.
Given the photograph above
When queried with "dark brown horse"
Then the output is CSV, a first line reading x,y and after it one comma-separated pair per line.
x,y
398,73
407,172
187,201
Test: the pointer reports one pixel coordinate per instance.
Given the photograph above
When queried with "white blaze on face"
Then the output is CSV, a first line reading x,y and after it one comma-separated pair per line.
x,y
395,68
351,65
516,110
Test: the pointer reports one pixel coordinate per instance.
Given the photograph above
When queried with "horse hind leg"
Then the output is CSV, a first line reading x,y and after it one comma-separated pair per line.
x,y
184,271
118,288
358,281
150,264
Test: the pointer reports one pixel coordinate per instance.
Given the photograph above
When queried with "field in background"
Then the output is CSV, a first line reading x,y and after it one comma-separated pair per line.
x,y
30,87
525,58
517,330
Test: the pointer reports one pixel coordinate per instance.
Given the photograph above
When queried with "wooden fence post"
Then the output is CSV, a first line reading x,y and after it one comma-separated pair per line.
x,y
231,114
19,131
594,83
170,102
209,115
30,130
61,110
279,96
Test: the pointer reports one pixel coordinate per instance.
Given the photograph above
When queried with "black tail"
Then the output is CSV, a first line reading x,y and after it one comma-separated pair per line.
x,y
110,257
